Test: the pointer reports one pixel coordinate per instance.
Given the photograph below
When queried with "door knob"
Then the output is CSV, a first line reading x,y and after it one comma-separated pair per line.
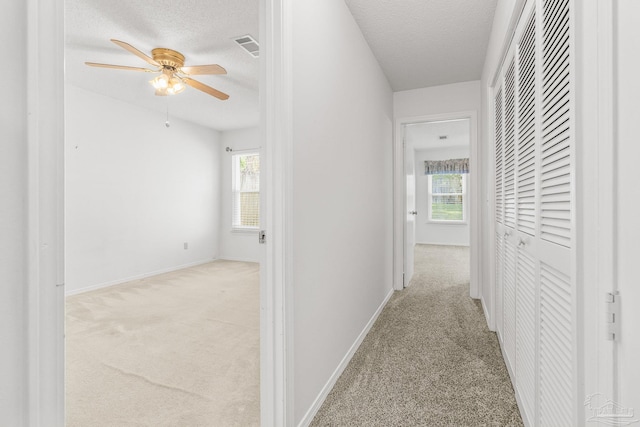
x,y
413,213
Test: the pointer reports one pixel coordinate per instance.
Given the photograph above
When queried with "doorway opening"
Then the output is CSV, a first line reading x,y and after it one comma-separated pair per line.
x,y
163,210
436,193
46,226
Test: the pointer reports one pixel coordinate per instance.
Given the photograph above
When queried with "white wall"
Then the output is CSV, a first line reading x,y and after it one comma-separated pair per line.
x,y
451,98
430,232
342,191
236,245
136,191
13,220
499,31
448,100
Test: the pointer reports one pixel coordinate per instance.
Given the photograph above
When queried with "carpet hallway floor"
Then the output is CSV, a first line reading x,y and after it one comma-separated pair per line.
x,y
177,349
429,359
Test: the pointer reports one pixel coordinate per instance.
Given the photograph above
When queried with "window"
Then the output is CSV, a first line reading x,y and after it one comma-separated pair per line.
x,y
447,197
246,191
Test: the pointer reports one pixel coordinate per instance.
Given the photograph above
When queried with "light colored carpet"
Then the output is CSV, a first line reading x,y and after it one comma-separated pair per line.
x,y
178,349
429,359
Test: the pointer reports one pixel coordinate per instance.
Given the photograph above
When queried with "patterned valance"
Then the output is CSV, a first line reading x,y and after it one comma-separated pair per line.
x,y
442,167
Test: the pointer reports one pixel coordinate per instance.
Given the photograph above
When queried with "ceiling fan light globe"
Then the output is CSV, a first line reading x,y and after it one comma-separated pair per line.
x,y
177,87
160,82
170,64
163,81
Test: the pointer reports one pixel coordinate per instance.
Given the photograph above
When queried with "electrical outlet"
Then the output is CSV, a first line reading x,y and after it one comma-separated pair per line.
x,y
186,245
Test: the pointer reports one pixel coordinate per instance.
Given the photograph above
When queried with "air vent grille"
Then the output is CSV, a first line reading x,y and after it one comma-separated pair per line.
x,y
249,45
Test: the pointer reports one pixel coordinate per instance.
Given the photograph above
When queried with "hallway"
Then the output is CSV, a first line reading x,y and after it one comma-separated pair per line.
x,y
429,359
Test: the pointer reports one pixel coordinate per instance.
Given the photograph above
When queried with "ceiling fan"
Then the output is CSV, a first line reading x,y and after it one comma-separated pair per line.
x,y
173,74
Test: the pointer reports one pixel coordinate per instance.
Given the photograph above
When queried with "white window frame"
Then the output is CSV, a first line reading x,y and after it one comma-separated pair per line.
x,y
236,200
465,202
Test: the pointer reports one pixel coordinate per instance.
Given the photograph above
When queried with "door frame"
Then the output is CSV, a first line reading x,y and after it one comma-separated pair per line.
x,y
596,187
44,343
276,270
407,256
44,391
399,195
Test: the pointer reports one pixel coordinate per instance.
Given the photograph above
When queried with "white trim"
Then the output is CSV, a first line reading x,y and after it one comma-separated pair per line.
x,y
399,206
486,315
473,192
441,244
238,259
137,277
508,38
45,201
447,223
245,230
596,188
276,272
324,392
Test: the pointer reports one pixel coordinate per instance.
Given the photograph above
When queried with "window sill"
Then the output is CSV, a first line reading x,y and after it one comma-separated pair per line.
x,y
245,230
447,222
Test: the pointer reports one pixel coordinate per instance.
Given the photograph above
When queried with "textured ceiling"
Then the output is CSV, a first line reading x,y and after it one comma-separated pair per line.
x,y
426,136
202,30
418,43
421,43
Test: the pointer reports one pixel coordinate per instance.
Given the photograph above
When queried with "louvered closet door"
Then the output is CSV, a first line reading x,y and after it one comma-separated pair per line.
x,y
499,211
534,146
526,192
509,269
559,401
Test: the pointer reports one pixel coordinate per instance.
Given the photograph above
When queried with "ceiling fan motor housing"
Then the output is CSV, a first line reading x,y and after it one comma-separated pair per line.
x,y
168,57
173,74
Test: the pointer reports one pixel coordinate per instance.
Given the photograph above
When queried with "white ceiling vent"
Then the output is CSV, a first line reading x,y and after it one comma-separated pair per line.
x,y
249,44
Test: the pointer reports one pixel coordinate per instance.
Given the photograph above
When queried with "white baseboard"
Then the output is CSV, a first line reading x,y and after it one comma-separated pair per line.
x,y
232,258
486,315
315,407
442,244
136,277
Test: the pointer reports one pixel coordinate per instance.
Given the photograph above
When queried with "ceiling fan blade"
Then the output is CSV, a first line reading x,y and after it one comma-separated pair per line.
x,y
127,46
206,89
120,67
204,69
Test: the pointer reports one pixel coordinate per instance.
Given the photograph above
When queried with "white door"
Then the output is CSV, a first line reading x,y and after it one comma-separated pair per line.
x,y
534,215
410,201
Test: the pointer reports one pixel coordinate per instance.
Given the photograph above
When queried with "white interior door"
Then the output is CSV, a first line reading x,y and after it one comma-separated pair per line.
x,y
534,215
410,202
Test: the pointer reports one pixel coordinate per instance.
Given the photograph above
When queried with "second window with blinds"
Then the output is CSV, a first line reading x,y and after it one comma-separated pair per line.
x,y
447,198
246,191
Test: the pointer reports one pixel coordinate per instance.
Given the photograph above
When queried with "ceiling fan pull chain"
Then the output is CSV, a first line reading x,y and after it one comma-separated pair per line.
x,y
167,124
